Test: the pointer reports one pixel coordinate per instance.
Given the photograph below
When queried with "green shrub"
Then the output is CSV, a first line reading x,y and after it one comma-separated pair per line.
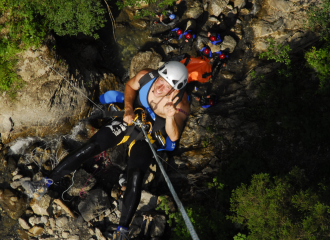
x,y
70,17
21,29
7,75
319,19
208,221
280,208
319,60
27,22
278,52
155,6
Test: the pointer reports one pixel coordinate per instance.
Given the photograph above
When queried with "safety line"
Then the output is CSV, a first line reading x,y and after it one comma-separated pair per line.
x,y
69,187
189,225
70,83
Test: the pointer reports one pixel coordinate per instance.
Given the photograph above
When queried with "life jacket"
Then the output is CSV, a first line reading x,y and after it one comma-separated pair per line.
x,y
199,69
157,134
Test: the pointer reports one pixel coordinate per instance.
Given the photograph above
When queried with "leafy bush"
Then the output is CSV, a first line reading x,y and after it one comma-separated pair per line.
x,y
319,19
26,24
280,208
278,52
7,75
70,17
155,6
208,221
319,60
21,30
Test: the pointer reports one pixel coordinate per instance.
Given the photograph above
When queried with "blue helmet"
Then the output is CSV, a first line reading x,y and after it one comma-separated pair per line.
x,y
172,16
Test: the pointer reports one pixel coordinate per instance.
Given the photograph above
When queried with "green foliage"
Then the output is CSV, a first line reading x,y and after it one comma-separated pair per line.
x,y
70,17
290,105
279,53
7,76
240,236
206,142
155,6
280,208
27,22
253,73
164,206
319,19
21,30
216,184
319,60
208,224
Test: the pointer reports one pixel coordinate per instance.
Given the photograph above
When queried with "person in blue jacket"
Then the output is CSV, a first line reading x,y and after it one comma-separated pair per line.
x,y
161,96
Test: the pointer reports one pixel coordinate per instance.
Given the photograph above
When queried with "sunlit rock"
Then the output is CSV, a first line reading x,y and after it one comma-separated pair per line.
x,y
215,7
23,224
228,44
138,23
40,207
195,9
142,60
13,206
62,222
239,3
147,202
36,231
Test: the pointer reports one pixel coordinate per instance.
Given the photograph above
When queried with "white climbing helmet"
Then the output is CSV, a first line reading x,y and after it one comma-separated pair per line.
x,y
175,73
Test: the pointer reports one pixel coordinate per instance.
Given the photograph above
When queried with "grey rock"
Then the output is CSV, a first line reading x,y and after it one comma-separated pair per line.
x,y
149,59
99,235
11,204
62,222
147,202
209,170
65,234
23,224
52,223
195,9
239,3
18,183
138,23
16,177
228,44
205,120
34,220
217,6
158,226
40,207
74,237
94,204
79,182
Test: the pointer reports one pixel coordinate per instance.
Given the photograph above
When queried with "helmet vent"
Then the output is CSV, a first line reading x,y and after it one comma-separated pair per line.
x,y
175,81
165,72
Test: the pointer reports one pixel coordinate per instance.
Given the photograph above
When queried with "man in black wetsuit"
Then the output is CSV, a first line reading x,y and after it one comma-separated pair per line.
x,y
161,93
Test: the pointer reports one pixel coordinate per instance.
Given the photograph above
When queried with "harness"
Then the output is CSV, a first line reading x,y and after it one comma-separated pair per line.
x,y
153,124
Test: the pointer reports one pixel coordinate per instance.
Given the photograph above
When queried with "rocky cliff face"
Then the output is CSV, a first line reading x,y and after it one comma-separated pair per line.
x,y
35,127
